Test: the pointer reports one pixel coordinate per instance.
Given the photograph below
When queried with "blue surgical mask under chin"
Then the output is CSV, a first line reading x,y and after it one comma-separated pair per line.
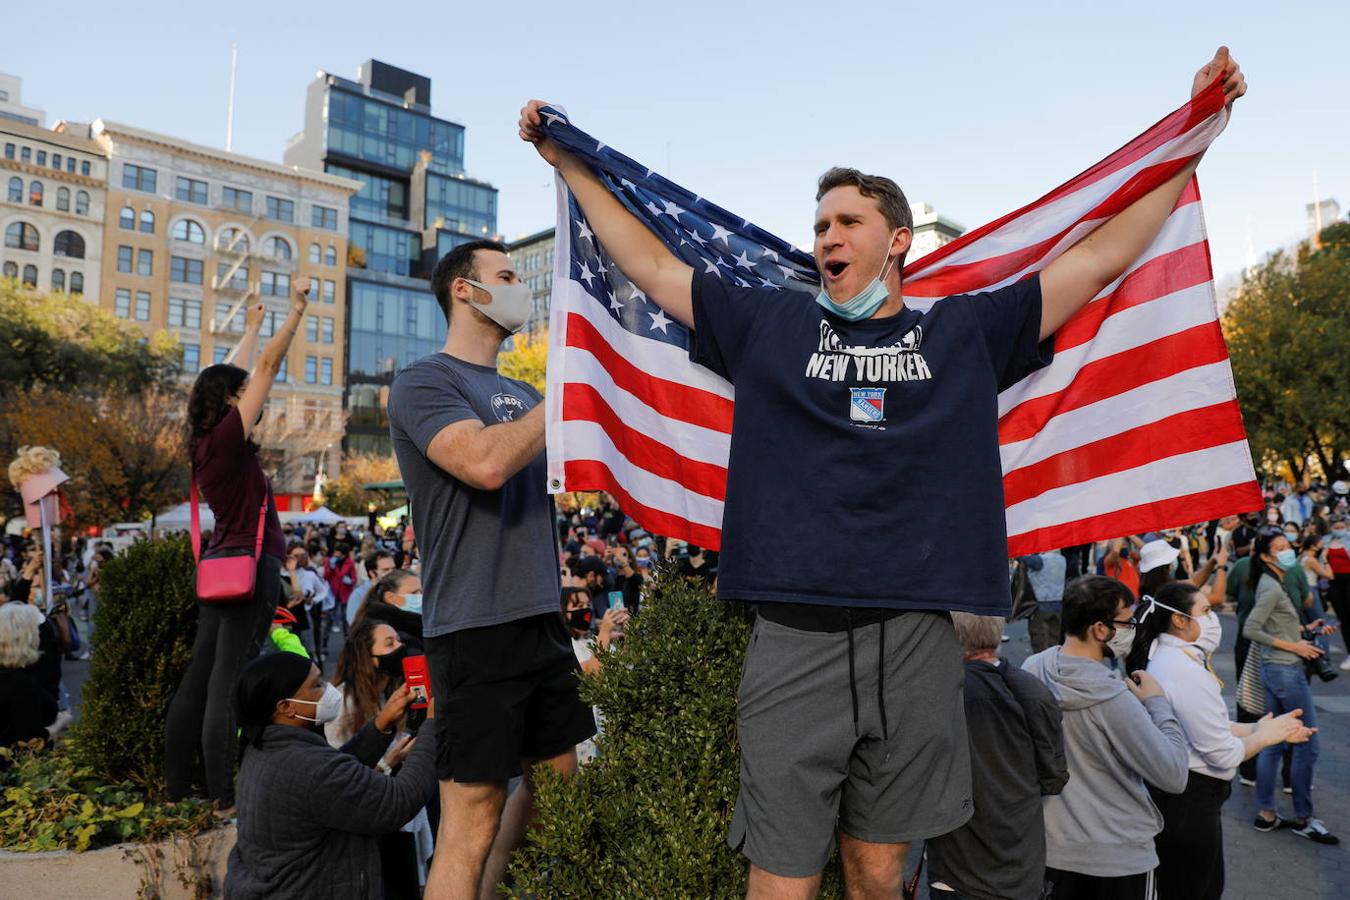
x,y
866,302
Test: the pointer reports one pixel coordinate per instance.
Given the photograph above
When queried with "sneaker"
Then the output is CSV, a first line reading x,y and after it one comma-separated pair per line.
x,y
1315,831
1288,789
1247,782
1345,664
1264,824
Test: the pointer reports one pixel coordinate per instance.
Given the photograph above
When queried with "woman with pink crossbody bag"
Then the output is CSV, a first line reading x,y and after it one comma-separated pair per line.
x,y
238,577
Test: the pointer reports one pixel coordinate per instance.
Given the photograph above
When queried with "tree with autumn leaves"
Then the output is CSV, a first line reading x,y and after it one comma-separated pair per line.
x,y
1288,333
75,378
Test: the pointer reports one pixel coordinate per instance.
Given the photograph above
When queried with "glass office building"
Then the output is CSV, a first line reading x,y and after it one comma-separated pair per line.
x,y
415,204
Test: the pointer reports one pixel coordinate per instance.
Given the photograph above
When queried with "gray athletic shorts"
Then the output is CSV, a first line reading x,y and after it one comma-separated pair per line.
x,y
807,768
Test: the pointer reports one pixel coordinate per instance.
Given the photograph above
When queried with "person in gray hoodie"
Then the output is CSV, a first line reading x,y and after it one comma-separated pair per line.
x,y
1099,832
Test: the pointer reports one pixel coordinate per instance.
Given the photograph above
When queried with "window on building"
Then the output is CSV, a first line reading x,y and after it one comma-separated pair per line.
x,y
314,251
277,247
189,231
237,281
122,304
82,203
226,322
312,329
10,269
25,154
30,276
281,373
325,371
232,240
184,270
126,219
70,164
84,167
323,217
329,291
124,258
185,313
147,222
311,370
145,262
77,282
234,198
276,284
279,210
58,279
330,256
269,325
9,151
63,199
56,161
35,193
220,353
42,157
142,306
15,195
68,243
192,357
138,178
190,190
21,236
328,329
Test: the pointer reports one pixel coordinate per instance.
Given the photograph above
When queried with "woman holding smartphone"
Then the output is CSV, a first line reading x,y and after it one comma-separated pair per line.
x,y
224,407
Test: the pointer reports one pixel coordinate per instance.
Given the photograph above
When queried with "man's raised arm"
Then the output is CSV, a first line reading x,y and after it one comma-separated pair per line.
x,y
644,259
1069,282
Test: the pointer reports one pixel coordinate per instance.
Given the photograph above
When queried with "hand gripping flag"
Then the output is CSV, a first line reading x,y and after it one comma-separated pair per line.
x,y
1134,427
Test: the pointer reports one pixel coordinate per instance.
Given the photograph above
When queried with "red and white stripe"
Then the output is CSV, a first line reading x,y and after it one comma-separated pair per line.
x,y
1134,427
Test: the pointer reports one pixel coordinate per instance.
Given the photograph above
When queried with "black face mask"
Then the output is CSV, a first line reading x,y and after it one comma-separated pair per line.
x,y
579,619
391,664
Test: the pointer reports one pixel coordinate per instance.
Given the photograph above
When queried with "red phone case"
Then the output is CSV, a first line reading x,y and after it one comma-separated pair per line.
x,y
418,681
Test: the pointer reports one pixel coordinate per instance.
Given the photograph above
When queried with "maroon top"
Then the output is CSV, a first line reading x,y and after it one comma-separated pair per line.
x,y
233,484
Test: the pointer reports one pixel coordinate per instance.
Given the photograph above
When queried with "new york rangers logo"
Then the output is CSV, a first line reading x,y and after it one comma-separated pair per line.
x,y
867,404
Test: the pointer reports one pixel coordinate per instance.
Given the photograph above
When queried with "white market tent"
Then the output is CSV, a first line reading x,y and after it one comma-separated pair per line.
x,y
179,518
321,516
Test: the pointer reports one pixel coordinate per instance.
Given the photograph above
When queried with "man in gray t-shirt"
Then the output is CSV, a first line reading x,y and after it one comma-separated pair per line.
x,y
470,444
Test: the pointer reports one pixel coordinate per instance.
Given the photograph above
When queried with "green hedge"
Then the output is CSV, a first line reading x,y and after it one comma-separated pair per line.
x,y
50,803
144,624
649,816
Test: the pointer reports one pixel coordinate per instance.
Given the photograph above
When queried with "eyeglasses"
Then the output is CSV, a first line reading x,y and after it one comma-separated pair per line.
x,y
1131,622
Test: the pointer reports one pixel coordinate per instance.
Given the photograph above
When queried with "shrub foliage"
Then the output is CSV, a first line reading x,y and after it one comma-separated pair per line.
x,y
144,625
649,816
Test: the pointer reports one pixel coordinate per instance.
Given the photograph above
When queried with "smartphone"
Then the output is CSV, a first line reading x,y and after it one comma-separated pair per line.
x,y
418,680
616,599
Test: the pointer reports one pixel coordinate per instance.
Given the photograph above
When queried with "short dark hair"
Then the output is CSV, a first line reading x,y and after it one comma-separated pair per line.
x,y
1090,599
890,199
373,559
458,263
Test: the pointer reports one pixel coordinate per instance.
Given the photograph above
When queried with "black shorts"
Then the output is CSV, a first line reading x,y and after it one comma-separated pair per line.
x,y
505,693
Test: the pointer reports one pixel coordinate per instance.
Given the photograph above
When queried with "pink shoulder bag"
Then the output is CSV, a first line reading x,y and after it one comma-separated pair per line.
x,y
225,579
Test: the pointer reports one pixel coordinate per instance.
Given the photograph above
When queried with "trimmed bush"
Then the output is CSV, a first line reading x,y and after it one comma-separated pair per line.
x,y
649,816
52,804
143,628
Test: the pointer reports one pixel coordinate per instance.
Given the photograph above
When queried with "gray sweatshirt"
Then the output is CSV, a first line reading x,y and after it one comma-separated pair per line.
x,y
1104,822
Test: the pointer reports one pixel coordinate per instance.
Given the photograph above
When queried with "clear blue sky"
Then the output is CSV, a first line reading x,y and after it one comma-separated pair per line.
x,y
974,107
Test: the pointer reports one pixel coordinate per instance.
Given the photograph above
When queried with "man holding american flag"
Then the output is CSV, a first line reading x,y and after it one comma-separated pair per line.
x,y
863,415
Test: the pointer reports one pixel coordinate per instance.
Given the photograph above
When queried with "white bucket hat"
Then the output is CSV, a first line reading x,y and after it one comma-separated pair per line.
x,y
1155,554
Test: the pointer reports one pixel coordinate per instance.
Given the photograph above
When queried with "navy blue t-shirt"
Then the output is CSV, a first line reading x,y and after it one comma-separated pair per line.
x,y
864,466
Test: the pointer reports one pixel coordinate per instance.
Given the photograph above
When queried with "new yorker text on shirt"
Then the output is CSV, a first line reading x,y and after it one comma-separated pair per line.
x,y
901,361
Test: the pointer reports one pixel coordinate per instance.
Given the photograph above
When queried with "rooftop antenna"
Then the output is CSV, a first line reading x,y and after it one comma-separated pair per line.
x,y
229,115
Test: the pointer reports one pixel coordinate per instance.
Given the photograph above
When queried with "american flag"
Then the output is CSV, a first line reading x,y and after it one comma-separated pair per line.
x,y
1134,427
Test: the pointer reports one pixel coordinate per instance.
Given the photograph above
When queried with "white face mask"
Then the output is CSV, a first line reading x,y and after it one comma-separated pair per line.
x,y
1211,631
1121,641
511,304
326,708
